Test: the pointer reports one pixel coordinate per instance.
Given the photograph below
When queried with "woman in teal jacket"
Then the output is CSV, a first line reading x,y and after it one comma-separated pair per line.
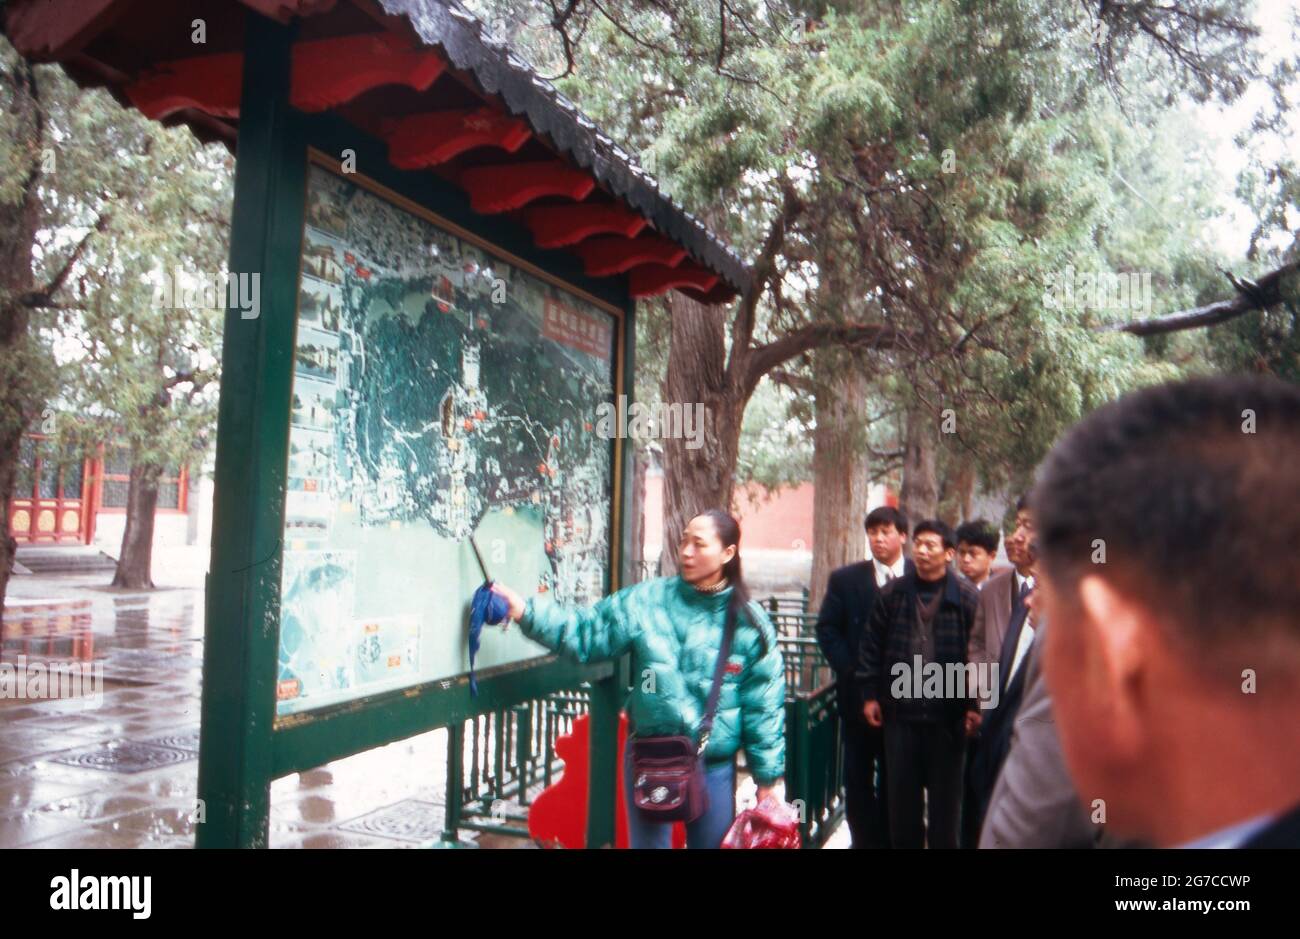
x,y
673,628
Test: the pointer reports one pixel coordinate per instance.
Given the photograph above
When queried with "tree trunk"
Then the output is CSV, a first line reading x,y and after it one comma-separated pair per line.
x,y
20,391
840,476
635,565
136,557
9,444
958,491
919,497
696,480
966,488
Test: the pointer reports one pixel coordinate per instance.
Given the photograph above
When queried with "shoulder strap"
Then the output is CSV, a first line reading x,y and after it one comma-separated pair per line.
x,y
715,690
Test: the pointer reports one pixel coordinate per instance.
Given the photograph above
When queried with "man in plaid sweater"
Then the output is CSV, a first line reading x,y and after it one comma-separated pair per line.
x,y
914,682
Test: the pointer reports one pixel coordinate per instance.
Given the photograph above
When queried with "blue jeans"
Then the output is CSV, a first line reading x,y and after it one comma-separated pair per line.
x,y
706,831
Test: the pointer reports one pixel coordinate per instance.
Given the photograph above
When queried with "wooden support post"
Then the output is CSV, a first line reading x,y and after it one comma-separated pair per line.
x,y
243,583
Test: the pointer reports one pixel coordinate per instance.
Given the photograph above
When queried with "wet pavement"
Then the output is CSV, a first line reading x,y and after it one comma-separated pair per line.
x,y
120,769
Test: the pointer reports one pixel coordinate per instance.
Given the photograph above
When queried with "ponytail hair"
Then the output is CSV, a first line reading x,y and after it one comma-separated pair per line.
x,y
728,529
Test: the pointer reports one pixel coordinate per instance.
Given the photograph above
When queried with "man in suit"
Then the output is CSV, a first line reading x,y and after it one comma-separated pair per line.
x,y
1168,522
846,609
1003,594
995,637
997,725
918,632
1034,803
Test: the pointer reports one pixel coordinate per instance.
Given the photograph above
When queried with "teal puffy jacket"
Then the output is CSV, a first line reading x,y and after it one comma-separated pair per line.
x,y
674,633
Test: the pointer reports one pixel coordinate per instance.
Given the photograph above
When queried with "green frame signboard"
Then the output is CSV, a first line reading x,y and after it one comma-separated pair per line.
x,y
243,746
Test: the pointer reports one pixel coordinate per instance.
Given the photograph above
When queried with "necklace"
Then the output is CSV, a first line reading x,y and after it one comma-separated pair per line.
x,y
716,588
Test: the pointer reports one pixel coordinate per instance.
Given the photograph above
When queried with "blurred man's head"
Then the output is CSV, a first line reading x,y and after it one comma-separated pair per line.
x,y
932,549
886,533
1169,523
1018,537
977,546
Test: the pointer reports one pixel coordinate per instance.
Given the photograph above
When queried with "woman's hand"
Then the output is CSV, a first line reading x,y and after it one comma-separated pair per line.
x,y
516,602
765,791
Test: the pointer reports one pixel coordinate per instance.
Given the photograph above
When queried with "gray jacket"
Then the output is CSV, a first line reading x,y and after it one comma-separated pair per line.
x,y
1034,803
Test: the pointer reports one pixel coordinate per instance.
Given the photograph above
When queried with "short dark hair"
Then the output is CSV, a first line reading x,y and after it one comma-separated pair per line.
x,y
979,533
1023,502
938,527
1171,481
886,515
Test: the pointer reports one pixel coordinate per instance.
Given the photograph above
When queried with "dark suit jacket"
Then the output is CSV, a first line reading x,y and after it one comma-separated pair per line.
x,y
846,609
887,639
996,733
1283,833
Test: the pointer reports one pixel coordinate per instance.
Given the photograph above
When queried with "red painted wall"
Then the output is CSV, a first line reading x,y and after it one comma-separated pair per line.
x,y
775,522
782,522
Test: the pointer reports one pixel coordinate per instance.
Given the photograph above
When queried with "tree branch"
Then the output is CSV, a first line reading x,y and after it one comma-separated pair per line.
x,y
40,298
860,336
793,381
763,268
1257,295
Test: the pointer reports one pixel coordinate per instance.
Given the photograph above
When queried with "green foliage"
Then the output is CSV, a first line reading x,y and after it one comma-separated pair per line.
x,y
949,159
121,201
775,439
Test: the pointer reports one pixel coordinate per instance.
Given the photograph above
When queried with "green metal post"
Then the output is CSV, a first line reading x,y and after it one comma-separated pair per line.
x,y
243,582
797,762
455,789
549,743
498,755
606,700
607,696
523,747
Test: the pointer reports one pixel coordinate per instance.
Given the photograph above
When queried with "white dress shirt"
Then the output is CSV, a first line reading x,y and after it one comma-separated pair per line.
x,y
1022,649
1232,836
886,572
1026,631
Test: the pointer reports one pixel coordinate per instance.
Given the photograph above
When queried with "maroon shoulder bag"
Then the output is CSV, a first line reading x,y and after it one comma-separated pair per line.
x,y
668,782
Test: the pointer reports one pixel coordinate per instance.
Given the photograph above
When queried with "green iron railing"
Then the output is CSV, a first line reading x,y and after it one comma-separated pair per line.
x,y
814,770
788,604
496,762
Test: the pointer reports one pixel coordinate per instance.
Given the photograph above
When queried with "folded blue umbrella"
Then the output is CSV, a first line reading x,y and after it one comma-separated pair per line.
x,y
485,607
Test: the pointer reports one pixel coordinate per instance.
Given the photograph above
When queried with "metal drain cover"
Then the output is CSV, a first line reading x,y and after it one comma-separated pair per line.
x,y
408,820
189,742
125,756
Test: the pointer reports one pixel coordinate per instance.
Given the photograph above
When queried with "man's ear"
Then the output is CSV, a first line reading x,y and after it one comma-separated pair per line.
x,y
1117,667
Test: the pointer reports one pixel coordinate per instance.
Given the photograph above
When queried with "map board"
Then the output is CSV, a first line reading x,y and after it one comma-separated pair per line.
x,y
440,391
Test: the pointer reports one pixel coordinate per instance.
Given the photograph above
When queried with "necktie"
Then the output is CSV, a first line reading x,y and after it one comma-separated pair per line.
x,y
1018,598
1010,641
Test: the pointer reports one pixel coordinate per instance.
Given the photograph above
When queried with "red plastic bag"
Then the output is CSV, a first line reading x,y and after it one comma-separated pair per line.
x,y
774,824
